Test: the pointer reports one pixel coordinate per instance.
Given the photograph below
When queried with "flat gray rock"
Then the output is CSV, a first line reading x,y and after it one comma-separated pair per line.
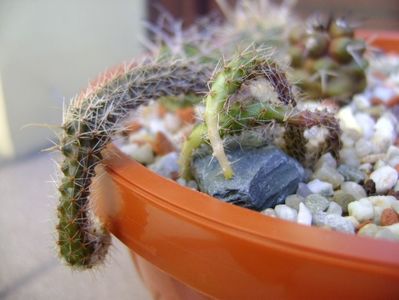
x,y
263,177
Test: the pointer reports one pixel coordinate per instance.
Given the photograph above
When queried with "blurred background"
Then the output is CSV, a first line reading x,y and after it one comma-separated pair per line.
x,y
50,50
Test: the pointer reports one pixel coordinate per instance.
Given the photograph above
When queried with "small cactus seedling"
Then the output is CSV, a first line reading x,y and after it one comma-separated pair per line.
x,y
328,60
225,114
89,123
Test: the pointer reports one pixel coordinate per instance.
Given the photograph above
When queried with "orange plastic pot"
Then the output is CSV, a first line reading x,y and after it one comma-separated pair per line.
x,y
187,245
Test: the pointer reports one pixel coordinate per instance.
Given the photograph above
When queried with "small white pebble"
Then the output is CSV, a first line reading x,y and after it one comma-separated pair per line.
x,y
348,156
348,122
382,201
395,206
383,93
143,154
369,230
384,134
354,189
366,168
329,174
363,147
361,102
285,212
304,215
171,122
384,178
379,164
326,160
317,186
269,212
367,124
394,228
354,221
362,210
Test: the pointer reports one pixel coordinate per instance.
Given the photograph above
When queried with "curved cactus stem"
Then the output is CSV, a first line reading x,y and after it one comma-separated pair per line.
x,y
195,139
89,124
248,65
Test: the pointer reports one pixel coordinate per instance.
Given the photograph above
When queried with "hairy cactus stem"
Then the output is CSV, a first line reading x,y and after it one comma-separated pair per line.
x,y
249,65
88,125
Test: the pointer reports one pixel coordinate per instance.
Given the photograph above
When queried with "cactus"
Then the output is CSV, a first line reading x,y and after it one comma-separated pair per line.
x,y
328,60
89,123
223,115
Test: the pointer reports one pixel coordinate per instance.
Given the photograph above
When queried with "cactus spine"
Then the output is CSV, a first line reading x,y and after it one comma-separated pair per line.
x,y
88,126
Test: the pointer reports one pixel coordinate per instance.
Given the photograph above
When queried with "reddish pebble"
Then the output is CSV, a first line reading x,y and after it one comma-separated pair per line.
x,y
132,127
393,101
389,217
162,145
161,111
186,115
376,101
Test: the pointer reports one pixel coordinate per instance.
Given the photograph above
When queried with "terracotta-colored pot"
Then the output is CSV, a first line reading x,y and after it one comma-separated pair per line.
x,y
188,245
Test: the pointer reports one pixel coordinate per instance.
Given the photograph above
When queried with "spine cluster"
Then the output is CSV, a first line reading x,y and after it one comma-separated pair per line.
x,y
88,126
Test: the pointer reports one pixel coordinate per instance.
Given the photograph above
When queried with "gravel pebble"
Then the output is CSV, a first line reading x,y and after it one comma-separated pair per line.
x,y
329,174
389,217
384,178
269,212
143,153
326,160
285,212
351,173
334,222
364,147
334,209
343,199
362,209
353,220
369,230
355,189
349,157
303,190
166,165
304,215
316,203
385,233
317,186
293,201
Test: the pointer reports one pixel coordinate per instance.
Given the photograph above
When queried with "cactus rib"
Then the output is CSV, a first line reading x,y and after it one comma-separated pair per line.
x,y
88,125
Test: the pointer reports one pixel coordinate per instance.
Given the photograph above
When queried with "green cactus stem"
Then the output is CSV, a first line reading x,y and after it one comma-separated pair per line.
x,y
89,124
224,116
250,64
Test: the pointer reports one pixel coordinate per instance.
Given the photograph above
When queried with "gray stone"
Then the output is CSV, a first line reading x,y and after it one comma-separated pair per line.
x,y
334,209
333,222
303,190
328,174
316,203
293,201
343,199
351,173
166,165
263,177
